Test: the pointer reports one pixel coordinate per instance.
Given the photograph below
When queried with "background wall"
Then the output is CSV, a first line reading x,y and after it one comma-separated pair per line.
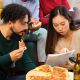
x,y
74,3
1,4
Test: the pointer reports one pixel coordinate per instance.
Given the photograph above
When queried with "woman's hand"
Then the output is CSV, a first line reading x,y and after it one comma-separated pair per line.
x,y
64,50
69,65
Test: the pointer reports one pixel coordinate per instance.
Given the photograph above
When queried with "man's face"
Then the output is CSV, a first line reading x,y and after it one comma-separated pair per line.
x,y
20,27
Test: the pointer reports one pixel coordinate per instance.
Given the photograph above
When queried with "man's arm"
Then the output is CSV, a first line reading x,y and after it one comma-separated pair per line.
x,y
5,61
26,62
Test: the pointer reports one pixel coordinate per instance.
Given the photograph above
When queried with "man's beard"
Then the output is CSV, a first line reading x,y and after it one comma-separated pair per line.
x,y
24,33
23,36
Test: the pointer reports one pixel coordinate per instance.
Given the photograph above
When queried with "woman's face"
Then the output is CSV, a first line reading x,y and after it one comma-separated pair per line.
x,y
61,24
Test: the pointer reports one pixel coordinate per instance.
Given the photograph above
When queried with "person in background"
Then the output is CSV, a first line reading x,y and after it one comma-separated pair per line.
x,y
14,59
74,3
62,33
46,8
33,6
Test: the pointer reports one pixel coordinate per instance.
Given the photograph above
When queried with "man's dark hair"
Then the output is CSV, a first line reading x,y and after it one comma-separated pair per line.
x,y
13,12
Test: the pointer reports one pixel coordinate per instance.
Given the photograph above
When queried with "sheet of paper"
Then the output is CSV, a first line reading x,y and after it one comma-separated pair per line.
x,y
71,75
58,59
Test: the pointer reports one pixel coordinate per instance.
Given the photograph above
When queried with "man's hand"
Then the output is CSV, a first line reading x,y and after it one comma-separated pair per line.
x,y
17,54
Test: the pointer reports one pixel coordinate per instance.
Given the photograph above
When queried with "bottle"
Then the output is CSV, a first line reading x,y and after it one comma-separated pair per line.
x,y
77,68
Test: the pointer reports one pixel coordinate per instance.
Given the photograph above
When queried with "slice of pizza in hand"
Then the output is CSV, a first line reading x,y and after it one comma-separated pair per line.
x,y
36,23
22,45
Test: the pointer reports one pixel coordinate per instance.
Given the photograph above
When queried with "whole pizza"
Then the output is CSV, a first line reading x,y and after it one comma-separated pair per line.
x,y
46,72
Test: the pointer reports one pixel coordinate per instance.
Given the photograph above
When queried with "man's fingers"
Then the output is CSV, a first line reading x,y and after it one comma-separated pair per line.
x,y
23,48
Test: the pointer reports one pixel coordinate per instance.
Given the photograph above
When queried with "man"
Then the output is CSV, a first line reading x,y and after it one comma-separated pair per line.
x,y
14,59
41,33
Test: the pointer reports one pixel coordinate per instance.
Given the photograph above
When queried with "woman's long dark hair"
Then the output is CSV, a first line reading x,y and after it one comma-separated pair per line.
x,y
53,36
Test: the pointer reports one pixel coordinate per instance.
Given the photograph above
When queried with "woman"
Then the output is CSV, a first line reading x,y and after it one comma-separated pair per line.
x,y
62,33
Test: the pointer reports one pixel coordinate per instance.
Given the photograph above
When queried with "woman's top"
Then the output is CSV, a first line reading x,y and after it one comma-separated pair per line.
x,y
73,45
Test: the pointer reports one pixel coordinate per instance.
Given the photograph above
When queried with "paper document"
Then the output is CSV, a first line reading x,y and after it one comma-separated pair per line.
x,y
58,59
